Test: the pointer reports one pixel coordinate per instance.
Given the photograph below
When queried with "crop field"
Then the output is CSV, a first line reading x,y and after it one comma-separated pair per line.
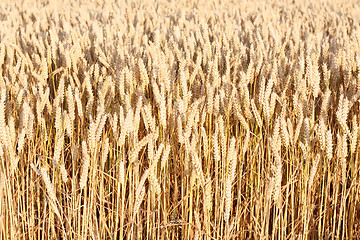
x,y
179,119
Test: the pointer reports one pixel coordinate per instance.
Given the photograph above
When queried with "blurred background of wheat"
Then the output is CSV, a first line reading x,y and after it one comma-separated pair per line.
x,y
179,119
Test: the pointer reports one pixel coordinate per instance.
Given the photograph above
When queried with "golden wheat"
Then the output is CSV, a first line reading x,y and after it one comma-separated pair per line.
x,y
179,119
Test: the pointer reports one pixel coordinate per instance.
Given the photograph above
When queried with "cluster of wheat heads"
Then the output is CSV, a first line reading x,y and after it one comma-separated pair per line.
x,y
179,120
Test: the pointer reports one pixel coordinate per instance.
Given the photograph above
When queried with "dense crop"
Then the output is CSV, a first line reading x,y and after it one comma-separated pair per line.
x,y
179,119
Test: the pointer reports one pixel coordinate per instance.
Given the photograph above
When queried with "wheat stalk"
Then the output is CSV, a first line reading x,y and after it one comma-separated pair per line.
x,y
48,184
85,165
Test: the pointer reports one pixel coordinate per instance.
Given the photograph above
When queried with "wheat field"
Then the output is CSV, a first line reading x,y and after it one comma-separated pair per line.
x,y
179,119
